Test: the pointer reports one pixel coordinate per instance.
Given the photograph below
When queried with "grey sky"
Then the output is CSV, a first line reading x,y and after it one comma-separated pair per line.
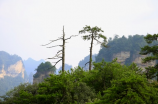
x,y
27,24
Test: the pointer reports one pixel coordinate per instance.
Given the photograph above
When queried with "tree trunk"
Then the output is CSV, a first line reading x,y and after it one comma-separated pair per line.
x,y
90,59
63,52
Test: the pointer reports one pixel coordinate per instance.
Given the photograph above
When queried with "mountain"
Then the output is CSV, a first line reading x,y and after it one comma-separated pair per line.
x,y
67,67
43,71
12,71
85,60
30,66
126,50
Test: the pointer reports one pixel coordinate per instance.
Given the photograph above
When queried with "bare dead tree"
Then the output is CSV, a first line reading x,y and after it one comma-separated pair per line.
x,y
61,53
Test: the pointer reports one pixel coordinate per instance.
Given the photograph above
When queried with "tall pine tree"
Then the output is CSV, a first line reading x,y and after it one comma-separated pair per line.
x,y
152,51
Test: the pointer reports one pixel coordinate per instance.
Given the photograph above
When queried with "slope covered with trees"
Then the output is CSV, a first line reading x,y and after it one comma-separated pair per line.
x,y
132,44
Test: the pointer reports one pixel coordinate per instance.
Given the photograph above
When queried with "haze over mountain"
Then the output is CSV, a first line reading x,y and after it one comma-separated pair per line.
x,y
31,64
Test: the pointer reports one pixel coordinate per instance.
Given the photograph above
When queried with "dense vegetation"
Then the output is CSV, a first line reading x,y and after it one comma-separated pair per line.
x,y
7,83
107,83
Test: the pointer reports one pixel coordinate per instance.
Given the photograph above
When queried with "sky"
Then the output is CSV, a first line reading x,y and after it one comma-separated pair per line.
x,y
25,25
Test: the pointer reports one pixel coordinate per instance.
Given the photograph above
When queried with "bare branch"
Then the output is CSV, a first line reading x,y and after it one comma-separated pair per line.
x,y
54,58
57,55
55,46
51,41
57,61
59,51
87,63
71,36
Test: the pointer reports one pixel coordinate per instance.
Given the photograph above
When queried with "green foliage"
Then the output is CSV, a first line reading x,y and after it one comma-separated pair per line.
x,y
151,50
20,94
8,83
107,83
43,68
130,89
127,86
96,35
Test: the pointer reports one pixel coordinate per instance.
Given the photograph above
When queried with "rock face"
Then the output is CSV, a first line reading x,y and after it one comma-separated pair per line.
x,y
121,57
12,72
135,58
11,65
41,77
43,71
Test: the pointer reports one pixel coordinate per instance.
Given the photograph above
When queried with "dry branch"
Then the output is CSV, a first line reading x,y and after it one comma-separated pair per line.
x,y
55,46
51,41
57,62
71,36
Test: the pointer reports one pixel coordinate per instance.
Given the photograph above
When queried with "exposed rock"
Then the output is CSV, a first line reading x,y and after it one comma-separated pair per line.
x,y
136,58
41,77
121,57
13,70
43,71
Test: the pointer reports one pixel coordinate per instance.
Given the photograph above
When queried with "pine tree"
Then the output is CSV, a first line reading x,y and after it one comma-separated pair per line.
x,y
152,51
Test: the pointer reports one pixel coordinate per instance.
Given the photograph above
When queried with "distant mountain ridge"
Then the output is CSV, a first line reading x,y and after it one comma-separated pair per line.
x,y
67,67
31,64
85,60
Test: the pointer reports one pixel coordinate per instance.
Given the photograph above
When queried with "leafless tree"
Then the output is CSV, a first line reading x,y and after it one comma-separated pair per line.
x,y
61,53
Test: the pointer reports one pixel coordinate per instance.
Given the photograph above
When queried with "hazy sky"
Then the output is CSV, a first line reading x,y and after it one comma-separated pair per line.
x,y
27,24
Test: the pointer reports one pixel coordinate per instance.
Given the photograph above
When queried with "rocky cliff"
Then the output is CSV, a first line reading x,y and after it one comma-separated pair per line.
x,y
126,50
12,71
43,71
136,58
41,77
